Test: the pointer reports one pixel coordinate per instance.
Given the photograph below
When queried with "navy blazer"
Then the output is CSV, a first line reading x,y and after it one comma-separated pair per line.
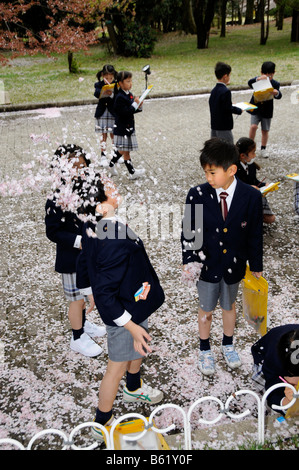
x,y
227,245
221,108
62,228
124,113
265,108
250,176
115,267
104,103
264,352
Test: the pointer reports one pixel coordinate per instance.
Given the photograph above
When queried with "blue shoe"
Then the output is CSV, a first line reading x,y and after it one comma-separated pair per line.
x,y
206,362
231,356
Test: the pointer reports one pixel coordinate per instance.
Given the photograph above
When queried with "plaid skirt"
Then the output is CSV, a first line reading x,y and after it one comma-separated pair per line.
x,y
126,143
105,123
71,291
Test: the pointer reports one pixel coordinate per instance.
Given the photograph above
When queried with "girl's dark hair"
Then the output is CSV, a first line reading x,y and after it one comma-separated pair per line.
x,y
105,70
123,75
245,145
288,352
72,151
220,153
91,192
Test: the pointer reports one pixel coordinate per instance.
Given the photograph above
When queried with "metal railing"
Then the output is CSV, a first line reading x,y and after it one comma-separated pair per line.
x,y
69,440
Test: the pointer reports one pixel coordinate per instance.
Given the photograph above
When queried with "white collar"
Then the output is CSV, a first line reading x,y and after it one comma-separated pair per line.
x,y
230,190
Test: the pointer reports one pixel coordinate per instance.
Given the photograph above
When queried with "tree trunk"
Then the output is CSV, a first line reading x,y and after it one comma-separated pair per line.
x,y
70,57
203,16
280,16
295,26
264,29
188,23
249,12
223,18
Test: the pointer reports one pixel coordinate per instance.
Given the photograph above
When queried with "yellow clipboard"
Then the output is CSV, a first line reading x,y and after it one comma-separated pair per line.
x,y
150,441
255,301
269,188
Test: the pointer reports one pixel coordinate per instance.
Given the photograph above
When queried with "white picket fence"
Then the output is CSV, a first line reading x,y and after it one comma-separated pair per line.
x,y
68,441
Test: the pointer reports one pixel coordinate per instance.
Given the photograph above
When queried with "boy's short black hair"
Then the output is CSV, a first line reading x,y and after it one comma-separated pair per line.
x,y
72,151
268,67
91,191
288,352
220,153
222,69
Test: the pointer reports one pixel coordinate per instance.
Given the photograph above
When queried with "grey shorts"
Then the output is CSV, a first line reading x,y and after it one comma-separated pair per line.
x,y
265,122
209,293
120,343
71,291
224,135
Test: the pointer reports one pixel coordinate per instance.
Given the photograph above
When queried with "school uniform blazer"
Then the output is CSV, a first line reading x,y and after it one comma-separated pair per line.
x,y
265,108
250,176
227,245
264,352
63,228
104,103
221,108
124,113
115,266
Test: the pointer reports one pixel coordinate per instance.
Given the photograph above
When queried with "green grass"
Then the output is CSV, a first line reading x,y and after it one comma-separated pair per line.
x,y
176,65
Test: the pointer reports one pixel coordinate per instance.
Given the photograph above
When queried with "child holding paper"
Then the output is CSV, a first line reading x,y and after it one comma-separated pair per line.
x,y
104,114
125,106
264,111
246,172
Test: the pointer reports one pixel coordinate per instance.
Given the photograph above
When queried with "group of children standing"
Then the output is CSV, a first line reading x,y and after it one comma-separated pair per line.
x,y
115,116
104,261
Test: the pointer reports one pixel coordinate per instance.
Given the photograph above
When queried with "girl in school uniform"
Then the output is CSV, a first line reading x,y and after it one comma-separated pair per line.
x,y
125,107
246,172
64,229
104,114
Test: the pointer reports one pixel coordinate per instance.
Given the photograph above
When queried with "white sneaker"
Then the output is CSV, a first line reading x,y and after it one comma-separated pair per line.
x,y
113,170
97,432
263,153
86,346
137,174
206,362
104,162
231,356
145,394
94,331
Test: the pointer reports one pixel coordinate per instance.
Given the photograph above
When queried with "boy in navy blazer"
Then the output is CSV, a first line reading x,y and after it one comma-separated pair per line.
x,y
115,270
228,234
220,102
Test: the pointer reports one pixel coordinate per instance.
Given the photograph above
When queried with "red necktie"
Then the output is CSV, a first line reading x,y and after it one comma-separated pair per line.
x,y
224,210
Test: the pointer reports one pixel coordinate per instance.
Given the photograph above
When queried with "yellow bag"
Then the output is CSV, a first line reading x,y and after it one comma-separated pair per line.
x,y
255,299
150,441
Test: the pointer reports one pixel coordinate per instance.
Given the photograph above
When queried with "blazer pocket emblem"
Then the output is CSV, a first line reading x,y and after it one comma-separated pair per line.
x,y
243,224
142,293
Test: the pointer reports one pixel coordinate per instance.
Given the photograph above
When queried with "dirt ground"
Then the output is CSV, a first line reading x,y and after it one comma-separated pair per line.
x,y
43,383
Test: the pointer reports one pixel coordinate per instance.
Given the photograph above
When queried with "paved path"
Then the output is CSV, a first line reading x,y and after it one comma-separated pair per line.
x,y
43,384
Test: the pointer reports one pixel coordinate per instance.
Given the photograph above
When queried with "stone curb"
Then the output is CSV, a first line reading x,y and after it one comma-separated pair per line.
x,y
60,104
